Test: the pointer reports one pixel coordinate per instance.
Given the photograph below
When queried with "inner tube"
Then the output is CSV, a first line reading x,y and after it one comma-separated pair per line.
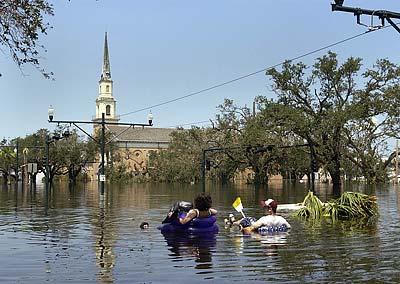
x,y
272,229
248,221
195,226
178,208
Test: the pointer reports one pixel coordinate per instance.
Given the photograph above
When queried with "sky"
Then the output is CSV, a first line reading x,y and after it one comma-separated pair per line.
x,y
163,50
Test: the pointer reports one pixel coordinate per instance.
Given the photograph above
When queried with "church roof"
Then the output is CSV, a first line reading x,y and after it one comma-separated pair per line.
x,y
147,134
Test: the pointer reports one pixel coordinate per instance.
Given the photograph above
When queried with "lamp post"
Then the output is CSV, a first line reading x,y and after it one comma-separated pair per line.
x,y
102,143
51,113
47,161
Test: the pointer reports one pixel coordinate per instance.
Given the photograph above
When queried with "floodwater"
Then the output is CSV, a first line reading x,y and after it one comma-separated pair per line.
x,y
75,236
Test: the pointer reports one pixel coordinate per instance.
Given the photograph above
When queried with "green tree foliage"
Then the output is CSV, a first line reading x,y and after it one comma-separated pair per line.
x,y
320,106
32,150
181,162
68,154
21,24
7,161
227,135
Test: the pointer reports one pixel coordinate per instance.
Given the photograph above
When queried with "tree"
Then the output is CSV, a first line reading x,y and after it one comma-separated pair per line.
x,y
21,24
321,106
181,161
67,156
7,163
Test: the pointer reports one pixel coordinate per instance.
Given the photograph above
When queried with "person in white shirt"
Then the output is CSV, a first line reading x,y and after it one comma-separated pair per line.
x,y
270,219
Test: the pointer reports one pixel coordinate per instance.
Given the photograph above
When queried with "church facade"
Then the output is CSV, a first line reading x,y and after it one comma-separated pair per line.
x,y
133,143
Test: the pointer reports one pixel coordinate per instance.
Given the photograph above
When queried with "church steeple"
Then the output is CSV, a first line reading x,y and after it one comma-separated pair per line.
x,y
106,74
105,102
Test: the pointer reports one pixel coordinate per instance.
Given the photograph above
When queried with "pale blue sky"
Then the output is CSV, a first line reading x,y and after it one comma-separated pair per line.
x,y
161,50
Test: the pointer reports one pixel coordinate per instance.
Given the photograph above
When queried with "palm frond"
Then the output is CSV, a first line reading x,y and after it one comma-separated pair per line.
x,y
349,205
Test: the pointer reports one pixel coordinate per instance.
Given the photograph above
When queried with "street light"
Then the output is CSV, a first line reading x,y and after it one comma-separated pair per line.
x,y
339,2
51,113
150,118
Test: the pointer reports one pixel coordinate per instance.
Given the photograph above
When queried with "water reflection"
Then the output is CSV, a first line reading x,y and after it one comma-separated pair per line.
x,y
104,233
199,246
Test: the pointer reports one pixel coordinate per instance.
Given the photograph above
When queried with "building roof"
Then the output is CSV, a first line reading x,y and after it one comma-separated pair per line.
x,y
146,134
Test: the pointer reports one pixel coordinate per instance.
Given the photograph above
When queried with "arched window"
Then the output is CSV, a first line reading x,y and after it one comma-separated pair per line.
x,y
107,88
108,110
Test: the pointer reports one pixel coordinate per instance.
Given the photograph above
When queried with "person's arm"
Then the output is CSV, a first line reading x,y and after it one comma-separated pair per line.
x,y
257,224
190,215
253,226
286,223
213,211
237,223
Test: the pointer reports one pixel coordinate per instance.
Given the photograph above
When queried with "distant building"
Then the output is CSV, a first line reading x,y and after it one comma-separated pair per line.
x,y
134,144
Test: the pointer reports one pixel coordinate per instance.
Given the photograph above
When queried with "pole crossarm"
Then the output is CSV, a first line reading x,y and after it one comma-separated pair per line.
x,y
381,14
74,122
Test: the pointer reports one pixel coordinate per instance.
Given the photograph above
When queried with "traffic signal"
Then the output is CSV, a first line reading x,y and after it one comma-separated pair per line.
x,y
314,165
208,165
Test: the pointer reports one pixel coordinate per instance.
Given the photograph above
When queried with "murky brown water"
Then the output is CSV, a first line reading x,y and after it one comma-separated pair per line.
x,y
74,236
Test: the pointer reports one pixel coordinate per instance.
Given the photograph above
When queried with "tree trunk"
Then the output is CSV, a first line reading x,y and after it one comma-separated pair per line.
x,y
260,177
335,175
5,178
33,179
73,173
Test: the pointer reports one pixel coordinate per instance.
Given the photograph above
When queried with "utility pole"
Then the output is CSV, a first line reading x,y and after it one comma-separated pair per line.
x,y
47,142
102,149
203,170
396,181
17,162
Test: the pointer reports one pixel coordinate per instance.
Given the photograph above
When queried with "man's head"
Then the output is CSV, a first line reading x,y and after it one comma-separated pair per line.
x,y
144,225
269,204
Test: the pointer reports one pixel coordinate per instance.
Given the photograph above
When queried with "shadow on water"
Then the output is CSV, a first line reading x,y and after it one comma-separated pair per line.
x,y
104,245
198,246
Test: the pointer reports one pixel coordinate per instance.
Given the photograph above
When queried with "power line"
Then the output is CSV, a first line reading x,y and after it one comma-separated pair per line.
x,y
191,123
253,73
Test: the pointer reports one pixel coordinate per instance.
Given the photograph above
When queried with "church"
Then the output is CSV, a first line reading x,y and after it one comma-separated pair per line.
x,y
133,143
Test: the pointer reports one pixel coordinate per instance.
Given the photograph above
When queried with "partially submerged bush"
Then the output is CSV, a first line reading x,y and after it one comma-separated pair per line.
x,y
312,207
350,205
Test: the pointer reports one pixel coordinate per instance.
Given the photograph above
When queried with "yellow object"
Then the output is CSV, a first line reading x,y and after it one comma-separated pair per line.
x,y
237,204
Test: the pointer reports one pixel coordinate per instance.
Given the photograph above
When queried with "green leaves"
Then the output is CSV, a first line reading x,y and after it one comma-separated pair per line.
x,y
336,116
21,23
350,205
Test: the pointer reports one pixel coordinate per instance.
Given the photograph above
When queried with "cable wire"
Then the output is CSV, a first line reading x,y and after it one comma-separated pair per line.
x,y
253,73
191,123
